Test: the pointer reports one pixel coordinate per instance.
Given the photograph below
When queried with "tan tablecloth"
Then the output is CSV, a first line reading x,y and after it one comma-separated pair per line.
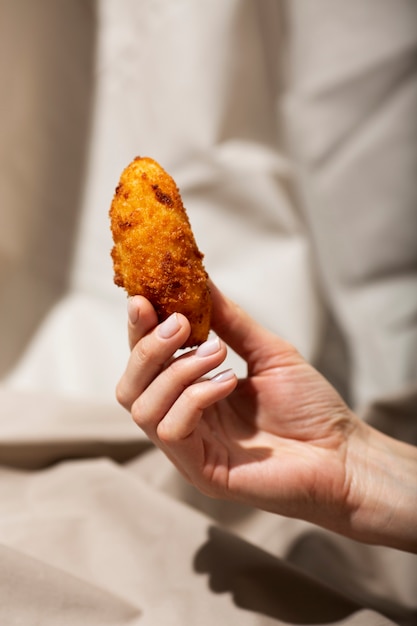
x,y
290,128
96,528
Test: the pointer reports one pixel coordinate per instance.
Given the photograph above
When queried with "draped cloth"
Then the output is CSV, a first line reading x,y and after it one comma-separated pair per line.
x,y
290,129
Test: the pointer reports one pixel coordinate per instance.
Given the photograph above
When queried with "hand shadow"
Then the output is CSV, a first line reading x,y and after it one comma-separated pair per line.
x,y
261,583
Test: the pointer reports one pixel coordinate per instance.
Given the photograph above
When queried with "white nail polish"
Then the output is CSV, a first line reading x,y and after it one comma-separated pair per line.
x,y
169,327
209,347
223,376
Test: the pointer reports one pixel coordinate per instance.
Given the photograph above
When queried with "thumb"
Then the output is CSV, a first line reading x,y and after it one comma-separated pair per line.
x,y
259,347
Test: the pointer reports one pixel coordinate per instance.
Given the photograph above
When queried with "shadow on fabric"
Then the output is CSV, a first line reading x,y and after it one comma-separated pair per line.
x,y
346,566
261,583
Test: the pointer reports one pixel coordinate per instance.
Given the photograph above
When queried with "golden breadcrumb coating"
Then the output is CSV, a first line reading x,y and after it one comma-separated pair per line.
x,y
155,254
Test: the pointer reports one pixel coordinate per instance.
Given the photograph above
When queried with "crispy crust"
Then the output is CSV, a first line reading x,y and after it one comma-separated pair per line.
x,y
155,254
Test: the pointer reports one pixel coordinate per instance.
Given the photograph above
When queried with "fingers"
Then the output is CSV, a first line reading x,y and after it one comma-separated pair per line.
x,y
151,353
167,396
153,379
172,406
184,434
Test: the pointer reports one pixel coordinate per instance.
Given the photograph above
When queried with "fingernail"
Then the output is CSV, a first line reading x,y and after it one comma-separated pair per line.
x,y
211,346
223,376
169,327
132,310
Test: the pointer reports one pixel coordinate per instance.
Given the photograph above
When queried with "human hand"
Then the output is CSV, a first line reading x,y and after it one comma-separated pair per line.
x,y
281,439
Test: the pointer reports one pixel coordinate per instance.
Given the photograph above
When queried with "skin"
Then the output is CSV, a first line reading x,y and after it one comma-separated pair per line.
x,y
281,439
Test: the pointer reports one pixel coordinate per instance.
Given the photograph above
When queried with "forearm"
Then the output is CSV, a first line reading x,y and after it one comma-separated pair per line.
x,y
383,490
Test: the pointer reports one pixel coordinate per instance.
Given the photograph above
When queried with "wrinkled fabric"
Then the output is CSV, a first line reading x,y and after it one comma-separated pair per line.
x,y
352,125
290,129
96,527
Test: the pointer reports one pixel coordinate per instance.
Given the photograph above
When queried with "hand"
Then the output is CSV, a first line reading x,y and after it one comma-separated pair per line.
x,y
281,439
277,439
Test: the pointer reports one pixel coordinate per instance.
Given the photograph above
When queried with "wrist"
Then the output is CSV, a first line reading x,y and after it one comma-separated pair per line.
x,y
382,500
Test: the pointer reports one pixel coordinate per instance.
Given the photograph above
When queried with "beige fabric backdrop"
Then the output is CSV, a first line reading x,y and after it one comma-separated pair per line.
x,y
291,131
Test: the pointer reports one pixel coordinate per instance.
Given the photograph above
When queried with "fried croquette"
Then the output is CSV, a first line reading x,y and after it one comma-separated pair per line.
x,y
155,254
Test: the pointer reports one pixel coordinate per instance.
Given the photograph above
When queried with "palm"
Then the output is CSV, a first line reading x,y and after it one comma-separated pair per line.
x,y
278,438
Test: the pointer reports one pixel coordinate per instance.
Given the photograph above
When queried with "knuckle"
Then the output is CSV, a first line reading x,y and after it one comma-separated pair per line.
x,y
138,413
192,395
165,435
174,373
148,353
142,352
122,395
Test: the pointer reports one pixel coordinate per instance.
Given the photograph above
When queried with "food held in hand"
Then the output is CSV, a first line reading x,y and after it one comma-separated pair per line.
x,y
155,254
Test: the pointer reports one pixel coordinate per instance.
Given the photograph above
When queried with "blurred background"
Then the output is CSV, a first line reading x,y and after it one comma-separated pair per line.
x,y
291,130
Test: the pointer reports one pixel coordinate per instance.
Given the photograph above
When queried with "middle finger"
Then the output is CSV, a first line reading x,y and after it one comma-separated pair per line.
x,y
156,401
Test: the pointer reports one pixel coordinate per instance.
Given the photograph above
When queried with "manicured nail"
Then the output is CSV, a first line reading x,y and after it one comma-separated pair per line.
x,y
132,310
169,327
223,376
209,347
